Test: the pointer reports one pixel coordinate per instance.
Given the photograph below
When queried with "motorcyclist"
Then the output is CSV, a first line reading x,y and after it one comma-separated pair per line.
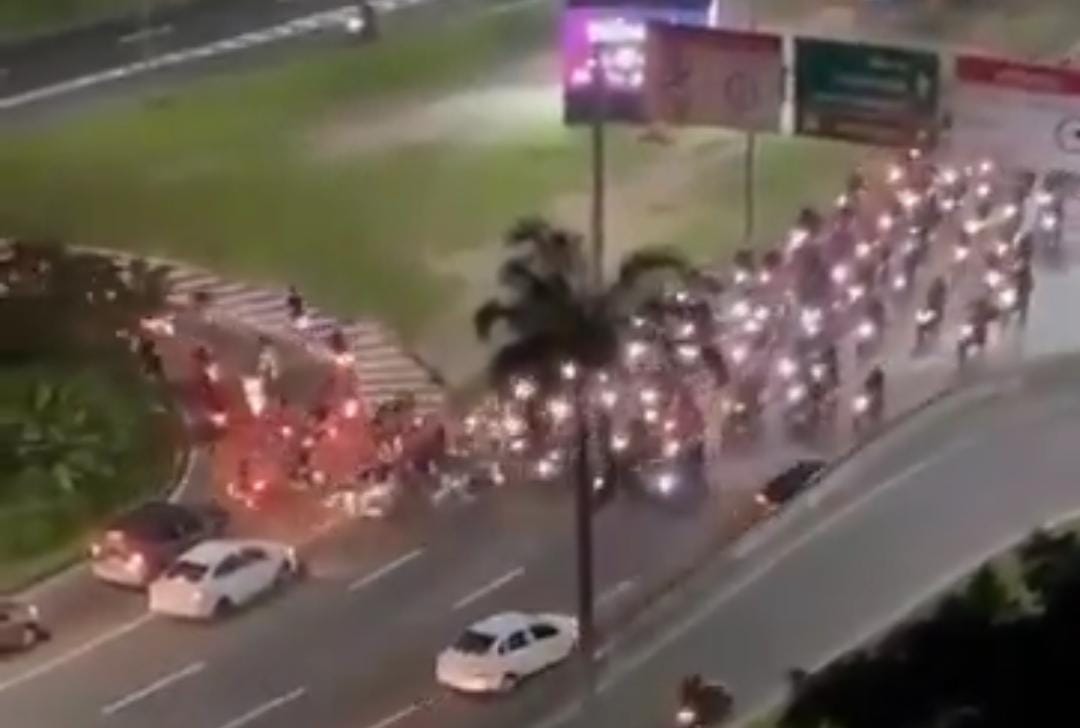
x,y
267,365
937,295
206,368
151,360
1025,284
370,19
703,703
874,387
294,302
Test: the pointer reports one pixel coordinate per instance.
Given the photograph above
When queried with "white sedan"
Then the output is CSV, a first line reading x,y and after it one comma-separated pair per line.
x,y
218,576
494,654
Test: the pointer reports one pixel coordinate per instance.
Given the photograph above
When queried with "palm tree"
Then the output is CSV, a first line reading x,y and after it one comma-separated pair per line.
x,y
549,317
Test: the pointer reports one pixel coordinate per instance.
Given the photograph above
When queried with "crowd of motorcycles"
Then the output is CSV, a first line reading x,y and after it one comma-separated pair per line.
x,y
793,338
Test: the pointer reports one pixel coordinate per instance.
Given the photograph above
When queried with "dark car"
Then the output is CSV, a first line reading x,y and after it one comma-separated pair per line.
x,y
789,483
20,626
140,544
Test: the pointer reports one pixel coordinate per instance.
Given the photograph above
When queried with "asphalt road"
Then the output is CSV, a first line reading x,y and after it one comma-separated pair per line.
x,y
940,501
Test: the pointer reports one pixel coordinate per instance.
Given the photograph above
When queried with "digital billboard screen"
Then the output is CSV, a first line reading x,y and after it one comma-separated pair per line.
x,y
608,37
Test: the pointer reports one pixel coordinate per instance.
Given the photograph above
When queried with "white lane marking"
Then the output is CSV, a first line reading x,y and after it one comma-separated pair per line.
x,y
132,698
385,569
146,34
74,654
395,717
261,710
490,587
615,592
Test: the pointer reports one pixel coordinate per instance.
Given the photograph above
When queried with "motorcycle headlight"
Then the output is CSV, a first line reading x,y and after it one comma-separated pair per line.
x,y
796,393
861,404
787,367
686,717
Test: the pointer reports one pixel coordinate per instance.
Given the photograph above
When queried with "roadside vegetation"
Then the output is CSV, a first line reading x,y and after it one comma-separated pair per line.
x,y
82,432
1000,650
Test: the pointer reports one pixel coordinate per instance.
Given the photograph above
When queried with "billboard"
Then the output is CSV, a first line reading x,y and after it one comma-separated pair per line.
x,y
866,93
608,37
711,77
1021,112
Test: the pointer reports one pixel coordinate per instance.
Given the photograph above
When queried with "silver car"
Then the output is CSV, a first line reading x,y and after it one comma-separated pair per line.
x,y
20,626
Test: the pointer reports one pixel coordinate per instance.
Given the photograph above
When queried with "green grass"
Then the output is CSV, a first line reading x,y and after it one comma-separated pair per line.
x,y
41,530
790,173
225,174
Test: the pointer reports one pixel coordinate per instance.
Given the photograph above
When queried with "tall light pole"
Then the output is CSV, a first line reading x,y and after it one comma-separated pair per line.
x,y
584,490
599,112
749,159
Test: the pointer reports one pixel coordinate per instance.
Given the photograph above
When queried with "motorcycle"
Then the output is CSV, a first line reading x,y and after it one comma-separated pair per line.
x,y
972,340
869,329
868,405
742,416
808,408
928,317
702,705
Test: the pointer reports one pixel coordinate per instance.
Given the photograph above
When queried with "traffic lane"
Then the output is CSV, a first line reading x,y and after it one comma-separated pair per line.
x,y
348,684
260,46
358,663
469,550
355,630
879,467
864,572
120,42
635,551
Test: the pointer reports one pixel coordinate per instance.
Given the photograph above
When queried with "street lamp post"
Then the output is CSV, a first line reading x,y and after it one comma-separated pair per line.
x,y
584,490
599,111
749,159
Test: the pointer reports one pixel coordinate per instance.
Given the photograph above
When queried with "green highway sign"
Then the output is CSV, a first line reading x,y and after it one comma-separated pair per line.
x,y
865,93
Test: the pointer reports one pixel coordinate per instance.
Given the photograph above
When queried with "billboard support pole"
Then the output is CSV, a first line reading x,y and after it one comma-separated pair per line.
x,y
599,107
583,487
750,160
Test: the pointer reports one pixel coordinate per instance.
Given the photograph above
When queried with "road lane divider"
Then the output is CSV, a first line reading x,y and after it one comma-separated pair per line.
x,y
158,685
74,654
385,569
270,705
145,34
615,592
396,717
489,588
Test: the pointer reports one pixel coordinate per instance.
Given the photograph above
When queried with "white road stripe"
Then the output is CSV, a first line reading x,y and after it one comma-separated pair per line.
x,y
74,654
146,33
132,698
489,588
395,717
615,592
261,710
382,571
